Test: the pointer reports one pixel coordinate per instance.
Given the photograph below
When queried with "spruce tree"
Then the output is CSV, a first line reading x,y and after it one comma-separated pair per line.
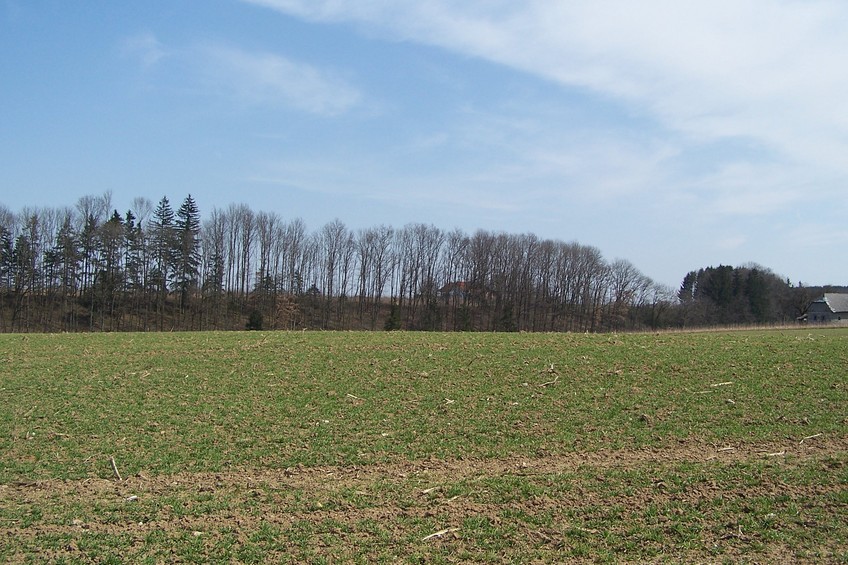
x,y
134,263
134,252
164,250
6,249
110,276
188,248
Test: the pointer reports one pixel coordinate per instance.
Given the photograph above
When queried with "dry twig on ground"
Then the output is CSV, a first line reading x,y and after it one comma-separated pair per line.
x,y
115,468
440,533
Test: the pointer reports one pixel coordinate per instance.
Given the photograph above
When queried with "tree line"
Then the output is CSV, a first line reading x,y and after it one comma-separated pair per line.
x,y
749,294
154,267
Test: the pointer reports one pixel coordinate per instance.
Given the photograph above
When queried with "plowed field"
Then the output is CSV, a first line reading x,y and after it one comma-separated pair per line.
x,y
340,447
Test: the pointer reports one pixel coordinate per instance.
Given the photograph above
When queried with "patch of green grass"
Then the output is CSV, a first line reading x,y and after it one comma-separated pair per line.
x,y
211,401
168,404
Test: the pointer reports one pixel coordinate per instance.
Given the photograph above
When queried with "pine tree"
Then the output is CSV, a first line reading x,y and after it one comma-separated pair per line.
x,y
757,293
163,244
213,279
164,253
135,266
6,249
110,278
68,252
25,273
689,288
134,253
188,248
89,258
66,263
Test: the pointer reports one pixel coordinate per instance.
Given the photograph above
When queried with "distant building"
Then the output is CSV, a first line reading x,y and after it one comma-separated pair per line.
x,y
457,289
464,290
830,308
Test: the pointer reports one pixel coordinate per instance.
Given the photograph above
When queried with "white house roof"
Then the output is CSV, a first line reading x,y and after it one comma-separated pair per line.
x,y
837,302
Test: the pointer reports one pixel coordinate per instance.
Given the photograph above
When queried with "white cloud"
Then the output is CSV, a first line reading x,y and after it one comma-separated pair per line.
x,y
271,80
768,70
711,127
251,78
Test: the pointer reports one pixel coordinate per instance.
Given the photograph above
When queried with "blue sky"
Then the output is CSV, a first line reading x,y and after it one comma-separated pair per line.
x,y
674,134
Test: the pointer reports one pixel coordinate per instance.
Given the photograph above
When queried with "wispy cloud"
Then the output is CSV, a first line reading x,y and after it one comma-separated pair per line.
x,y
752,189
270,80
728,116
248,77
145,47
766,70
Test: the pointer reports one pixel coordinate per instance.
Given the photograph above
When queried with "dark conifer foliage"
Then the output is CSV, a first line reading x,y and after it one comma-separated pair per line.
x,y
187,252
749,294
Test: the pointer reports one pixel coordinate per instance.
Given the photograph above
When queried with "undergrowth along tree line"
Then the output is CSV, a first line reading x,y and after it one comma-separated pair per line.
x,y
91,268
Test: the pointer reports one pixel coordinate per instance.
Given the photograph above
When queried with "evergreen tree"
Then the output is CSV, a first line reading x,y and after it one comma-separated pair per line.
x,y
188,248
163,244
758,295
6,249
66,257
110,278
23,263
689,287
393,321
164,252
134,253
88,252
24,275
213,279
254,320
135,267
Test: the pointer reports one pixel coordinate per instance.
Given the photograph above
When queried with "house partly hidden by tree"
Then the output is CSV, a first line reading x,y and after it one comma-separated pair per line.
x,y
830,308
463,290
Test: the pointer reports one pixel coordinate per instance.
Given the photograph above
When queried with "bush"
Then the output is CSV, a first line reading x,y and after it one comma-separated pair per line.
x,y
254,321
393,321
